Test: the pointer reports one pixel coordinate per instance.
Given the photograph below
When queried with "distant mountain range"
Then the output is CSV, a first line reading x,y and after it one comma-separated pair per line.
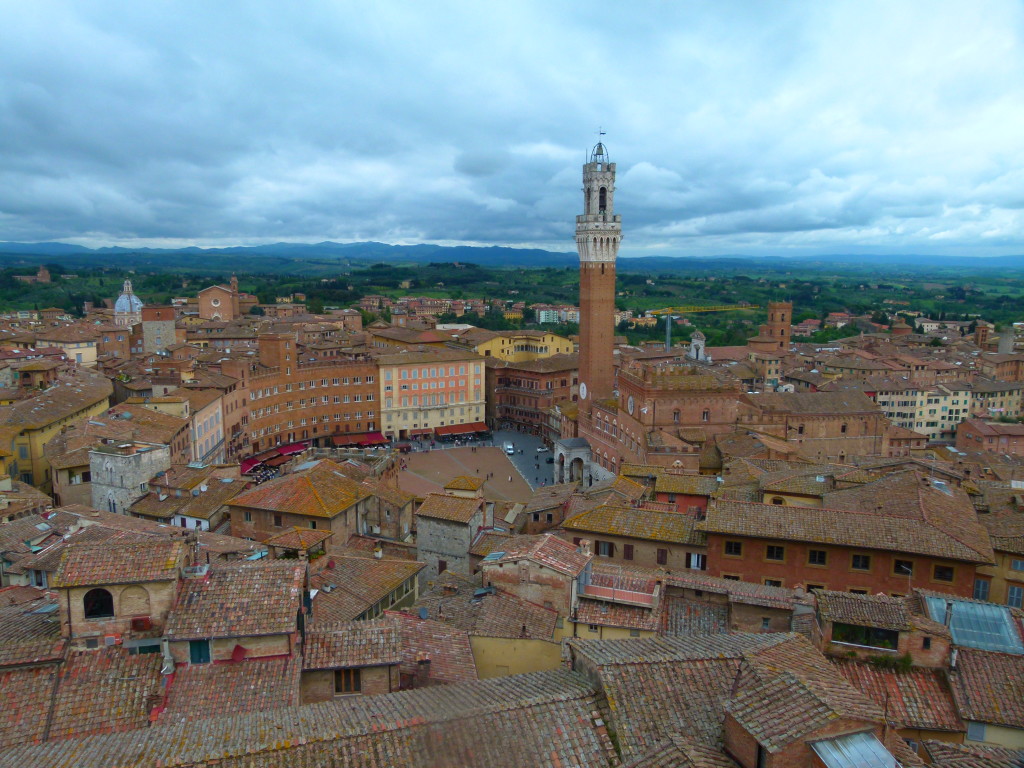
x,y
319,257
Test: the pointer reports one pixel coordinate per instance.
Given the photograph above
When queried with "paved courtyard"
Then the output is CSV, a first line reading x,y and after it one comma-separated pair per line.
x,y
428,471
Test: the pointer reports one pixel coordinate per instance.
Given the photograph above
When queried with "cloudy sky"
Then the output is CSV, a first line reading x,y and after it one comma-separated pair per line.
x,y
738,127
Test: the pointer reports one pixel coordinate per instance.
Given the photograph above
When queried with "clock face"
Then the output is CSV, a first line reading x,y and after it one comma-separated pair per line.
x,y
630,405
583,391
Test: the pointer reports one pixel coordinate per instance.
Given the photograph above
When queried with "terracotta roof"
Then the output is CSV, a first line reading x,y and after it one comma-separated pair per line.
x,y
989,687
464,483
543,719
298,538
26,693
549,497
238,600
29,629
652,525
447,648
201,504
790,690
456,509
842,528
917,698
200,691
657,687
356,584
945,754
453,600
352,644
679,751
916,496
105,691
547,550
880,611
744,592
134,562
607,614
323,492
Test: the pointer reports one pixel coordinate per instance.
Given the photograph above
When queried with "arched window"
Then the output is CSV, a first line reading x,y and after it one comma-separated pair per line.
x,y
705,415
98,604
602,200
675,417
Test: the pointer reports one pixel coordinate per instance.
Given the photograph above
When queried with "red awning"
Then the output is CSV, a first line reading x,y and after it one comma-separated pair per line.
x,y
288,450
462,429
373,438
248,464
427,431
277,461
346,439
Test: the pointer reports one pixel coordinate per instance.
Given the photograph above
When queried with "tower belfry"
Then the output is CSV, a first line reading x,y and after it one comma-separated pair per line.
x,y
598,233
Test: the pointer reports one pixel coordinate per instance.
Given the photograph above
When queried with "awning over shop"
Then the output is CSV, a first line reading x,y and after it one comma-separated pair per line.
x,y
462,429
277,461
293,448
427,431
373,438
347,439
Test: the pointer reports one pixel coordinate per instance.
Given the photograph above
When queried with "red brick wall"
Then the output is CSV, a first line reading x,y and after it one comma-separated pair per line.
x,y
597,329
837,573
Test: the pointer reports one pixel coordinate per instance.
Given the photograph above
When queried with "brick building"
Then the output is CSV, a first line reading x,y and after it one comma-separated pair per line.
x,y
334,403
900,540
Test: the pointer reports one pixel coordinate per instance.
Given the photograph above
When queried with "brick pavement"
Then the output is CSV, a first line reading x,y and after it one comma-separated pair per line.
x,y
428,472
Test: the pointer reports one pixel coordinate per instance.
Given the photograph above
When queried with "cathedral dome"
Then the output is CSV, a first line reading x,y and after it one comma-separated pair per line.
x,y
127,303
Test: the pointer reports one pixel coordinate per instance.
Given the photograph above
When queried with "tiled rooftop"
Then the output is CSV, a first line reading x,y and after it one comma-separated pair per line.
x,y
452,508
355,584
543,719
629,522
352,644
120,563
201,691
865,530
989,687
453,601
322,491
446,647
105,691
29,628
944,754
880,611
547,550
238,600
917,698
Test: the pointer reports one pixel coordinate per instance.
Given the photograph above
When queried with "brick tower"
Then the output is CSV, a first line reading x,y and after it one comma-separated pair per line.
x,y
780,318
598,232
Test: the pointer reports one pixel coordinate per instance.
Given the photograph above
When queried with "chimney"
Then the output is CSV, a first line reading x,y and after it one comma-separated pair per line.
x,y
422,675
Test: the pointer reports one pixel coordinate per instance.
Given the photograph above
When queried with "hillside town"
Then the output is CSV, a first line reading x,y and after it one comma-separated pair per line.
x,y
265,538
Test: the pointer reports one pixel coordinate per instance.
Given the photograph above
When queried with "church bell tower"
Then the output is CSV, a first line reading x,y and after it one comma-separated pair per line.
x,y
598,232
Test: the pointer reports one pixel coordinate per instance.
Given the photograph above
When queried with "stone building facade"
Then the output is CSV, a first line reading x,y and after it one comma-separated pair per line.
x,y
121,472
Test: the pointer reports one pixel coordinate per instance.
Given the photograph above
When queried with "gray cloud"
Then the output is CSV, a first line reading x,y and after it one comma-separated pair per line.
x,y
737,127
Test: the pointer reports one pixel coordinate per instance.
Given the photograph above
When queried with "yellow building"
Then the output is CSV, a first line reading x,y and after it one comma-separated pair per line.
x,y
518,346
26,426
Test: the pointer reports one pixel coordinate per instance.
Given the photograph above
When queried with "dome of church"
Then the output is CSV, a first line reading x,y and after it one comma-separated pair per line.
x,y
128,302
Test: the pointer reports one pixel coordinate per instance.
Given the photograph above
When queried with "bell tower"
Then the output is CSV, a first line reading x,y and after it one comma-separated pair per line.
x,y
598,232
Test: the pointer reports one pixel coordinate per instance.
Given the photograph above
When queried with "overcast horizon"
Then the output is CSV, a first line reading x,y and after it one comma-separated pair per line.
x,y
738,128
